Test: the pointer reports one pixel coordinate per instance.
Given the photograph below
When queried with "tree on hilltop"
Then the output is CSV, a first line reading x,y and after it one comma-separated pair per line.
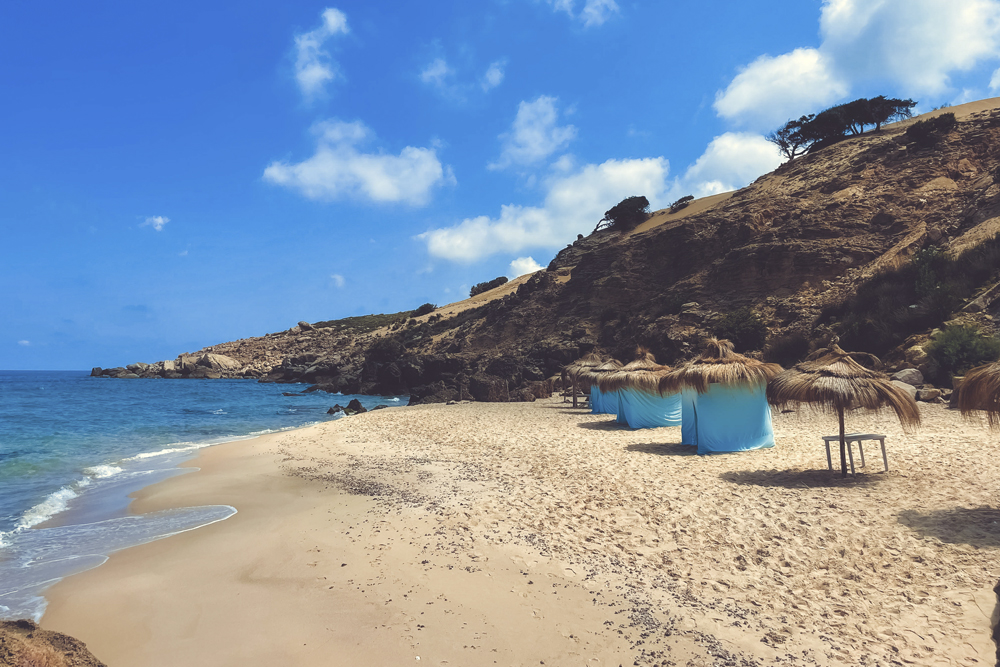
x,y
829,126
626,214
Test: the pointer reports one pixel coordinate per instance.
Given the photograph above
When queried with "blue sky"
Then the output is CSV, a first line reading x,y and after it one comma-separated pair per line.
x,y
180,174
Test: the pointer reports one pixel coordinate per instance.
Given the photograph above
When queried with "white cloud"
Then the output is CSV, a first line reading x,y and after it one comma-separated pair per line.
x,y
182,253
494,75
593,13
338,280
916,43
534,135
157,222
995,81
731,161
574,204
523,265
769,91
339,170
24,343
313,65
437,73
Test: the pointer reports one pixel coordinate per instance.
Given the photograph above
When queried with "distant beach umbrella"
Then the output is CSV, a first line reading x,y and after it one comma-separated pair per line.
x,y
572,371
834,381
724,406
640,404
590,378
980,392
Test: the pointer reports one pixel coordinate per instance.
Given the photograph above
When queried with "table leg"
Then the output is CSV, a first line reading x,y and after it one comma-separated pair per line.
x,y
829,461
850,455
885,459
861,449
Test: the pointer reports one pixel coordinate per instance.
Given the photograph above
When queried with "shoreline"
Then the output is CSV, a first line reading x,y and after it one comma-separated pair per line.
x,y
416,532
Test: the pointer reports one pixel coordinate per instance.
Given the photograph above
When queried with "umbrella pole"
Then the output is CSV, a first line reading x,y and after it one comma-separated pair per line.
x,y
574,392
843,444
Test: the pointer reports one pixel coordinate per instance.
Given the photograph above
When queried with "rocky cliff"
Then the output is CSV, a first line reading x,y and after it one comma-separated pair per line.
x,y
794,242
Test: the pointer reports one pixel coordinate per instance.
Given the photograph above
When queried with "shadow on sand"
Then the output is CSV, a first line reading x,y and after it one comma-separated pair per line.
x,y
799,479
664,449
610,425
976,526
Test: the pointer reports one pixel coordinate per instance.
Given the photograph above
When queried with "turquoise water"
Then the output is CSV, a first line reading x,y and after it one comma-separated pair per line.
x,y
73,447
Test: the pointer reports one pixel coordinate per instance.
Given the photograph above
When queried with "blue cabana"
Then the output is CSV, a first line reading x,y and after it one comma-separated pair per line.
x,y
724,401
601,403
640,404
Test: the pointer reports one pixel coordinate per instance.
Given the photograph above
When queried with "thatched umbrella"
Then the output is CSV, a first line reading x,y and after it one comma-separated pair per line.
x,y
835,381
980,392
590,378
735,381
718,364
573,370
637,385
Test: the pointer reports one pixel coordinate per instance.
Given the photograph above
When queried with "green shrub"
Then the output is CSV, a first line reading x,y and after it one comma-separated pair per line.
x,y
917,296
424,309
626,214
787,350
927,132
744,328
958,348
479,288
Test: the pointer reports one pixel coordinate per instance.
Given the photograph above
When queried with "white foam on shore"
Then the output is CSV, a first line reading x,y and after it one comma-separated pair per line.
x,y
102,472
54,504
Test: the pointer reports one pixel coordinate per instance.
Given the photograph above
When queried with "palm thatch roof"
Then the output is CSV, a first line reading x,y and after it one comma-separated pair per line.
x,y
835,382
591,376
718,364
980,391
584,363
642,374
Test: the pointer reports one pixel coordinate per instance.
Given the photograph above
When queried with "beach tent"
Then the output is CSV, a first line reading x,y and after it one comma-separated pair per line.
x,y
831,380
572,371
640,404
601,403
723,400
980,392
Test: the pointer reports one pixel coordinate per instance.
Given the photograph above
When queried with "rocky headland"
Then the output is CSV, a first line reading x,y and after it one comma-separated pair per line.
x,y
790,246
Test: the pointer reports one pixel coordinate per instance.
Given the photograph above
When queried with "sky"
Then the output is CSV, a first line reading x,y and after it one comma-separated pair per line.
x,y
174,175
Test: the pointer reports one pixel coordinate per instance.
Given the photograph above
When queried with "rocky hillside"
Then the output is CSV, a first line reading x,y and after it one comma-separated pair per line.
x,y
798,240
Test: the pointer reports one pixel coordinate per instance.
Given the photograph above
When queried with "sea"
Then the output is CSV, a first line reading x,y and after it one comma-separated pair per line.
x,y
73,447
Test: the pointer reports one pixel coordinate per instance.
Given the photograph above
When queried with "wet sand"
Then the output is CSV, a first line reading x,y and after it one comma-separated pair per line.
x,y
526,534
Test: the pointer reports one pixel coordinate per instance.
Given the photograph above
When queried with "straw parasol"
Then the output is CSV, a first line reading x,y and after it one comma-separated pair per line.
x,y
591,376
718,364
835,381
639,374
573,370
980,391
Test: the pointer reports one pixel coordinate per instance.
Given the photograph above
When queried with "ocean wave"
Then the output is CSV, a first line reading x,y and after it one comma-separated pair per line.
x,y
55,503
220,411
174,449
102,472
394,400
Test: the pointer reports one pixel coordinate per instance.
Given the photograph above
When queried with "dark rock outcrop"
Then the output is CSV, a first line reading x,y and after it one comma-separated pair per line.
x,y
23,643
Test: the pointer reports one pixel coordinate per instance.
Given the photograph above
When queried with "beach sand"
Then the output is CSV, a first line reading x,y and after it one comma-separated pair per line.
x,y
533,533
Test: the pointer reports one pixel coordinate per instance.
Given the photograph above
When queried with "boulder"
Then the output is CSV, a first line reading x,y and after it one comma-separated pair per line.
x,y
96,372
137,367
928,395
305,326
128,376
335,409
909,376
488,388
170,366
355,407
908,388
219,362
379,407
916,355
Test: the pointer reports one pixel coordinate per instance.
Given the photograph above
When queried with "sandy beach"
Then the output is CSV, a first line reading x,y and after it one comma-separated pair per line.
x,y
533,533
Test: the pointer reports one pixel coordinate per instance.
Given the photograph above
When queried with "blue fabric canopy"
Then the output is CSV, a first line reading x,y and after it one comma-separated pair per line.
x,y
601,403
689,427
641,410
731,419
